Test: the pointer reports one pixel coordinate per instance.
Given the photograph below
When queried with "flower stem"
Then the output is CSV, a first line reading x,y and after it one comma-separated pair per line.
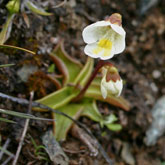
x,y
99,65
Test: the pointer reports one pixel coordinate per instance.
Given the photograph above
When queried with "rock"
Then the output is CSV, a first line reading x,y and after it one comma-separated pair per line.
x,y
127,155
154,87
157,127
26,71
156,74
145,5
54,150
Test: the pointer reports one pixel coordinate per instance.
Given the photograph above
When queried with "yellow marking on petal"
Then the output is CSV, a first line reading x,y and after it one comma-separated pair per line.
x,y
104,45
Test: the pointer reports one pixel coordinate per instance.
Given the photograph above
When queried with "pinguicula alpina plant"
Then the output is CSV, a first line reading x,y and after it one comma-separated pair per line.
x,y
81,86
78,87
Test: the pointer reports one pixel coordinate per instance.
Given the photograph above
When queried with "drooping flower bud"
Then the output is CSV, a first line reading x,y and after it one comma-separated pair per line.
x,y
111,82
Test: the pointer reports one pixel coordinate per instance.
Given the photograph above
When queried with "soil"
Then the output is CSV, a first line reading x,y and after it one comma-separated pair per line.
x,y
141,66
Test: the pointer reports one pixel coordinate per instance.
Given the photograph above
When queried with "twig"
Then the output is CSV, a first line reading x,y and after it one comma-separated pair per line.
x,y
35,104
24,131
86,139
6,162
59,5
73,151
86,15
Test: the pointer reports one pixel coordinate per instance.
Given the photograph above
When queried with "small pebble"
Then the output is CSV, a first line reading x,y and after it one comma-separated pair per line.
x,y
156,74
54,40
154,87
26,71
134,23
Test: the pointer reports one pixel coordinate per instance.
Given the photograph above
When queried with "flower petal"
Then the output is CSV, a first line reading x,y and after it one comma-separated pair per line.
x,y
103,91
95,50
107,54
111,87
89,50
119,44
119,86
118,29
95,31
104,71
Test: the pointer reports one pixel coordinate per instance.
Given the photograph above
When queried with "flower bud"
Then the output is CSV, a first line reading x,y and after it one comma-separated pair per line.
x,y
111,82
13,6
115,18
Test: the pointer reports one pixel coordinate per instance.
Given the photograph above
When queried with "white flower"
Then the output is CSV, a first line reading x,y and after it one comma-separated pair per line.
x,y
111,83
104,38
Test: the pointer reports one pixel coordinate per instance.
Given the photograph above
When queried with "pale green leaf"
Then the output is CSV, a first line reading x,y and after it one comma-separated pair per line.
x,y
110,119
85,73
91,111
114,127
51,68
69,67
63,124
59,98
5,32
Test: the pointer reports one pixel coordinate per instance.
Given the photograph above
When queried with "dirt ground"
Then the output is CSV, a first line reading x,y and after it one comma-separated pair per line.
x,y
141,66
